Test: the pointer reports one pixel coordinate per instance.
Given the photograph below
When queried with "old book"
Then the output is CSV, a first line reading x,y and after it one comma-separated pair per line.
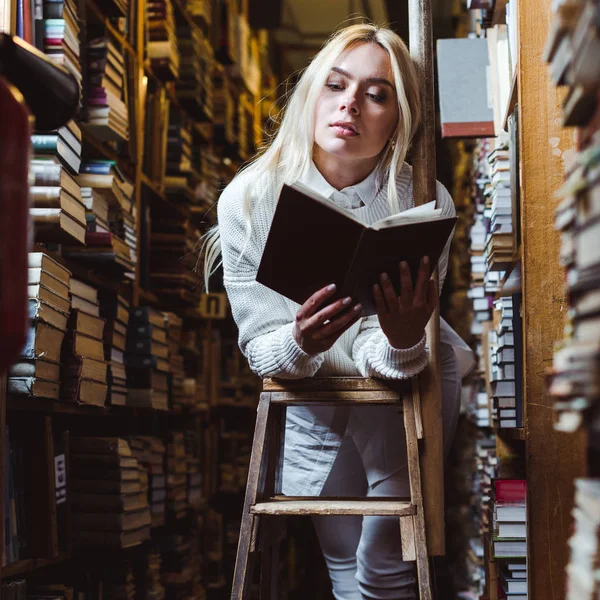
x,y
42,369
147,378
110,461
83,290
56,197
39,260
109,502
146,314
85,306
43,341
340,249
40,311
107,521
55,225
105,487
85,368
49,173
100,445
85,391
148,331
34,387
82,345
40,292
111,538
87,324
146,346
39,276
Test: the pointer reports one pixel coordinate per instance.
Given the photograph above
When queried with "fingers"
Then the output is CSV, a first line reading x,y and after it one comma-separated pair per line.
x,y
380,305
309,308
339,325
420,296
326,314
406,287
389,293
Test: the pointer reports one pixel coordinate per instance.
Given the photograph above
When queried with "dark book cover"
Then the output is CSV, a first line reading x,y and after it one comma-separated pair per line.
x,y
313,243
518,334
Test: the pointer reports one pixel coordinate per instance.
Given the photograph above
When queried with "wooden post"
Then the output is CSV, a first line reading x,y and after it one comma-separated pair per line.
x,y
424,186
553,459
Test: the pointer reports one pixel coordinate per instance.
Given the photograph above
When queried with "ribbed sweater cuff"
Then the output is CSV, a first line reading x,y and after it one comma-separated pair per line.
x,y
290,357
397,356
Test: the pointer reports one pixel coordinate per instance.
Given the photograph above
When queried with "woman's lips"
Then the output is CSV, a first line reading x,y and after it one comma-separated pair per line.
x,y
344,131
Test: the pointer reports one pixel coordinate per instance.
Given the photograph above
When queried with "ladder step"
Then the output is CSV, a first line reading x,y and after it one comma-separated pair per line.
x,y
392,508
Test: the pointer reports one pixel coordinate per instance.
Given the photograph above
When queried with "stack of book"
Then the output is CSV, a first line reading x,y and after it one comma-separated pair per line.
x,y
111,216
147,359
150,452
572,52
574,380
114,309
176,556
83,372
499,248
179,176
14,590
224,106
61,35
37,373
196,356
508,511
583,581
162,44
513,579
106,112
110,507
189,85
503,373
148,582
176,475
57,208
173,260
176,364
207,59
193,455
15,522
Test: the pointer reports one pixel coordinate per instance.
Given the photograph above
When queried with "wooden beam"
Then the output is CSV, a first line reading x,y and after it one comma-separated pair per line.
x,y
553,459
424,186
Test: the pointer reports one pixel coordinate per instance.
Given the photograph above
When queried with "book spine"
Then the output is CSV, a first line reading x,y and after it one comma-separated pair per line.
x,y
21,385
46,175
510,491
45,143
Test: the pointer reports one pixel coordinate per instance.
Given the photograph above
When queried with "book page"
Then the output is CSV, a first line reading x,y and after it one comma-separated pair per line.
x,y
417,214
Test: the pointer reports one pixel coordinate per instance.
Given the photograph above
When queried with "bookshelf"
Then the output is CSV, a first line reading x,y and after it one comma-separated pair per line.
x,y
540,451
217,418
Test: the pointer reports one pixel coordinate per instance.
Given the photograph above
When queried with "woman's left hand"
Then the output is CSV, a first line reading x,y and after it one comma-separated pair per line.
x,y
403,318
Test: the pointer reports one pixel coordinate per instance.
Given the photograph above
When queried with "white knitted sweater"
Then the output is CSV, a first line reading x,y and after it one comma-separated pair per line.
x,y
265,318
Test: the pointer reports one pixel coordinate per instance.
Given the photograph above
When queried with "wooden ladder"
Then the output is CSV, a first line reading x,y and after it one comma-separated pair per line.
x,y
264,503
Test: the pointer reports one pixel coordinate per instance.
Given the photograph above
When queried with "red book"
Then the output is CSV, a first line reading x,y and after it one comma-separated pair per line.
x,y
510,491
98,238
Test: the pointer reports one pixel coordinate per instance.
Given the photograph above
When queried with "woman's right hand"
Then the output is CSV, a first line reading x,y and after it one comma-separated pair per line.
x,y
315,330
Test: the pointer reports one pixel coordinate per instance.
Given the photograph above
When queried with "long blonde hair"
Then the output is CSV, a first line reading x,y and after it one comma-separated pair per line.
x,y
287,157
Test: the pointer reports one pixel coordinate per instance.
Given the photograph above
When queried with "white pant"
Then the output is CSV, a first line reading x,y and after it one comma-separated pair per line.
x,y
363,554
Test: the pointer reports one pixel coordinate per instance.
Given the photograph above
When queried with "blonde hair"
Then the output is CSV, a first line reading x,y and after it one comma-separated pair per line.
x,y
287,157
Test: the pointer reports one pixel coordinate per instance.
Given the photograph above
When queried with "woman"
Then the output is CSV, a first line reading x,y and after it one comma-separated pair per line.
x,y
346,131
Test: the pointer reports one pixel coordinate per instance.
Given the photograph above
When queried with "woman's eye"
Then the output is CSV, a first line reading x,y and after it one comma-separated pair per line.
x,y
376,97
334,86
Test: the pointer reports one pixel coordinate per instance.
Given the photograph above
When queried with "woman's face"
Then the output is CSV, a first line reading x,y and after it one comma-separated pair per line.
x,y
357,110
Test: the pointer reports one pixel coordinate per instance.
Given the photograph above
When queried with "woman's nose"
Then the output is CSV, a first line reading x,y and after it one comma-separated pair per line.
x,y
350,104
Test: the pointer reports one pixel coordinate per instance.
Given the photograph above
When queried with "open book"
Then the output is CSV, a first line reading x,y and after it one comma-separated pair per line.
x,y
313,243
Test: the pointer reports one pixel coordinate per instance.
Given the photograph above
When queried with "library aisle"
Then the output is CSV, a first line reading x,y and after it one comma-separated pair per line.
x,y
127,410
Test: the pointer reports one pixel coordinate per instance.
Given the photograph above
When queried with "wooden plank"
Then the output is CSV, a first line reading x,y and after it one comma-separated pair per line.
x,y
328,384
334,507
243,564
414,477
416,396
330,397
553,459
407,533
424,189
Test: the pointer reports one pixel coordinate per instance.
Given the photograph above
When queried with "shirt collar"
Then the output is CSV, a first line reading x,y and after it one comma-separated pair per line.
x,y
366,189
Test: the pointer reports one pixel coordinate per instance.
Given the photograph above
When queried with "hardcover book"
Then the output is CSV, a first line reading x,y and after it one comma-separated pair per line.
x,y
313,243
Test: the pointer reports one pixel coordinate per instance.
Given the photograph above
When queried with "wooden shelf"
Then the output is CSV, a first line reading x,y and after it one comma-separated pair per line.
x,y
23,567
